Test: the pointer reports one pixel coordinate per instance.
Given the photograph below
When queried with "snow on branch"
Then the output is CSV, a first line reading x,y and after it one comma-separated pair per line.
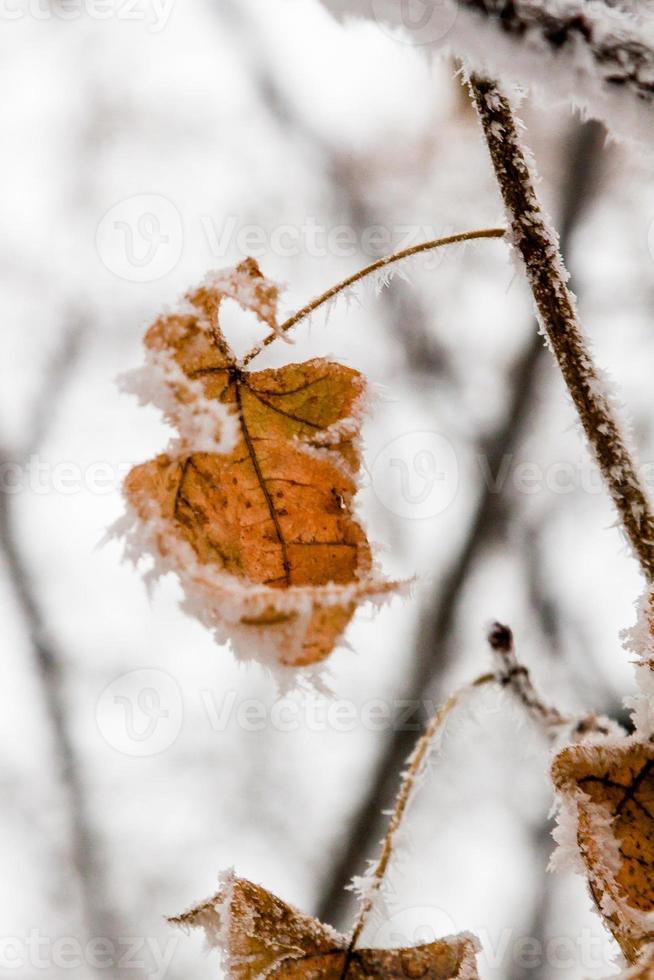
x,y
592,41
589,54
537,244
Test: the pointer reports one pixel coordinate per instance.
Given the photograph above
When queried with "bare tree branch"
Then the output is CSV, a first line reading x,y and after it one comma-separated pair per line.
x,y
590,686
514,676
537,244
85,847
57,374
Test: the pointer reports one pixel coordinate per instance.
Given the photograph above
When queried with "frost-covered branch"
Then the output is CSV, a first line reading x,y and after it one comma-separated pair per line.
x,y
579,35
515,677
383,265
592,55
372,884
538,246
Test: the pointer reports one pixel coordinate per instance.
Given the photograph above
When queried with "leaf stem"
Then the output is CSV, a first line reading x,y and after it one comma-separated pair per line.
x,y
538,246
465,236
414,767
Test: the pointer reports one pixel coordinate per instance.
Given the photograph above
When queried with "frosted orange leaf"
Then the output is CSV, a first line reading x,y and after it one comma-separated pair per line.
x,y
262,535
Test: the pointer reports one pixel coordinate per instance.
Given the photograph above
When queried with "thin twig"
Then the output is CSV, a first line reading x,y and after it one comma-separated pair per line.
x,y
509,674
537,244
409,780
388,260
514,676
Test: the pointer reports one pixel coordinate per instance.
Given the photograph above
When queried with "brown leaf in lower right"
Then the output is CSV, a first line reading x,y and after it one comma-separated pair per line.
x,y
607,790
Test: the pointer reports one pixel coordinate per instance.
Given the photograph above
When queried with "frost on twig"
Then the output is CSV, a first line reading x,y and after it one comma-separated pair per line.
x,y
515,678
369,887
380,273
537,244
252,506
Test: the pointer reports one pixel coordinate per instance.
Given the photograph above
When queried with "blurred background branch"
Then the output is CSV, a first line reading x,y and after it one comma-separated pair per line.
x,y
85,846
